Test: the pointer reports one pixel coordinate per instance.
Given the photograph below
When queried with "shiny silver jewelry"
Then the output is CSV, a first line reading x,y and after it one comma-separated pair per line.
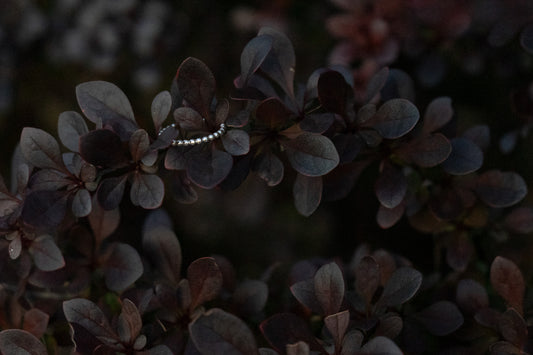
x,y
195,141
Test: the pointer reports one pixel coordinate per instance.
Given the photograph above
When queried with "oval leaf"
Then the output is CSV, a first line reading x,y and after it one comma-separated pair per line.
x,y
395,118
329,288
391,186
139,144
196,84
208,168
70,127
40,149
507,280
189,119
367,278
147,190
401,286
438,113
471,296
205,280
129,322
102,148
46,254
111,191
380,345
465,157
16,341
520,220
122,267
250,297
500,189
160,109
430,150
44,208
311,154
162,246
269,168
81,203
253,55
441,318
236,142
307,192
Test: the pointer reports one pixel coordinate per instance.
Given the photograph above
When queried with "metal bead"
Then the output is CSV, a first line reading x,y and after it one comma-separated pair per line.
x,y
210,137
198,140
205,139
186,142
179,142
216,135
222,126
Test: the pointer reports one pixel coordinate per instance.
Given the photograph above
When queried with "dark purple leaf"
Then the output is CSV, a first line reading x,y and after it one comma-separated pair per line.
x,y
164,140
197,85
46,254
253,55
269,168
395,118
513,328
466,157
250,297
175,159
122,267
162,246
352,342
304,292
391,186
139,144
16,341
380,346
390,325
102,148
317,122
333,91
219,332
208,167
367,278
48,179
311,154
280,61
103,222
35,322
430,150
307,192
189,119
471,296
480,135
520,220
299,348
488,317
70,127
271,114
348,146
500,189
526,38
129,322
40,149
147,190
160,350
402,286
81,203
376,83
447,204
221,111
459,251
286,328
238,174
236,142
507,280
104,103
438,113
205,280
337,325
441,318
44,208
387,217
329,288
504,348
111,191
160,109
183,189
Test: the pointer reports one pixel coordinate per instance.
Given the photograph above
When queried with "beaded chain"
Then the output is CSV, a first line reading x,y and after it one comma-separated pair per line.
x,y
188,142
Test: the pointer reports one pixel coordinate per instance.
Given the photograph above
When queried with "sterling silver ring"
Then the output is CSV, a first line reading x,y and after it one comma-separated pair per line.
x,y
194,141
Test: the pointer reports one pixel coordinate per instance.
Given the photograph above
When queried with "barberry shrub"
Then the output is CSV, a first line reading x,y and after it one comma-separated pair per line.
x,y
69,286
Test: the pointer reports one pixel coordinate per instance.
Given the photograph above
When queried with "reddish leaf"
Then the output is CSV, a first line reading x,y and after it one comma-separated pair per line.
x,y
161,106
500,189
337,325
162,246
317,122
208,167
504,348
102,148
441,318
70,127
250,297
15,341
122,267
219,332
367,278
139,144
175,159
307,192
110,192
311,154
376,83
513,328
390,325
35,322
329,288
49,179
520,220
402,285
438,113
44,208
430,150
332,91
205,280
459,251
388,217
253,55
466,157
271,114
352,342
189,119
391,186
103,223
269,168
236,142
471,296
304,292
197,85
507,280
395,118
46,254
40,149
447,204
299,348
129,322
147,190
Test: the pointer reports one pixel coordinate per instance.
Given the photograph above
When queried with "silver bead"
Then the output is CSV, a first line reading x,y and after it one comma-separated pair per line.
x,y
216,134
205,140
179,142
211,137
186,142
222,126
198,140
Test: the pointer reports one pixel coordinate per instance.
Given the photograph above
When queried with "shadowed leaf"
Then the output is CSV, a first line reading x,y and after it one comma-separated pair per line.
x,y
367,278
40,149
129,322
36,322
299,348
402,285
102,148
236,142
388,217
390,325
44,208
271,114
110,192
139,144
337,325
465,157
317,122
253,55
380,346
526,38
205,280
103,222
500,189
304,292
332,91
438,113
513,328
311,155
441,318
162,246
307,192
197,85
208,168
46,254
250,297
81,203
16,341
329,288
520,220
189,119
269,168
122,267
507,280
147,190
160,109
352,342
471,296
480,135
70,127
391,186
395,118
219,333
430,150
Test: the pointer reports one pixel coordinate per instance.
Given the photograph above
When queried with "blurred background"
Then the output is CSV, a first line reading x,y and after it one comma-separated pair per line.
x,y
476,52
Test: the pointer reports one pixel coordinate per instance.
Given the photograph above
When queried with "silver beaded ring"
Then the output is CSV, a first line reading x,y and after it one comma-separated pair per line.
x,y
189,142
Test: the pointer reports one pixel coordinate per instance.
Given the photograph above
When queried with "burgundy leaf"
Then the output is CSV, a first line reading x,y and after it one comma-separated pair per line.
x,y
70,127
480,135
111,191
501,189
466,157
122,267
253,55
395,118
236,142
208,167
459,251
40,149
440,318
147,190
376,83
44,208
307,192
311,154
504,348
219,332
160,109
104,103
129,322
367,278
388,217
471,296
304,292
380,345
189,119
162,246
205,280
183,189
81,203
390,325
430,150
520,220
102,148
164,140
103,222
447,204
513,328
507,280
197,85
438,113
35,322
352,342
175,159
16,341
329,288
391,186
221,112
46,254
286,328
269,168
333,91
250,297
317,122
337,325
139,144
49,179
271,114
402,286
299,348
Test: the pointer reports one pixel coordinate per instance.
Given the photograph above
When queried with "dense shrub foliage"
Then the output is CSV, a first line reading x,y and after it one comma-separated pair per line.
x,y
69,286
